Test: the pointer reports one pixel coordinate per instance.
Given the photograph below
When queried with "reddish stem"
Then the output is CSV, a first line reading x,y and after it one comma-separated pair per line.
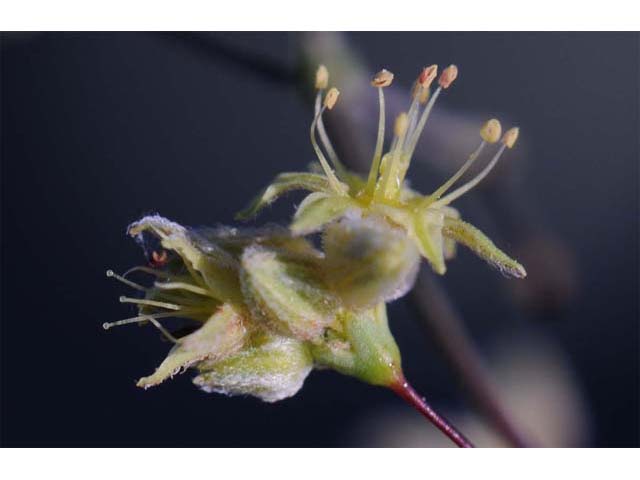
x,y
406,391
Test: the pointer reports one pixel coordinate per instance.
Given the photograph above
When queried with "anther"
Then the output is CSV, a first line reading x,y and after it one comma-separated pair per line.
x,y
322,78
448,75
382,79
491,131
510,137
401,125
159,259
428,75
420,93
331,98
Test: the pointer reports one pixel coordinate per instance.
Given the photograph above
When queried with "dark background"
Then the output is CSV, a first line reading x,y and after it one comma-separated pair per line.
x,y
99,129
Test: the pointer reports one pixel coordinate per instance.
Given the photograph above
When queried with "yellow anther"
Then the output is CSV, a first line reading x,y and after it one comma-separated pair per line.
x,y
401,125
491,131
331,98
322,78
510,137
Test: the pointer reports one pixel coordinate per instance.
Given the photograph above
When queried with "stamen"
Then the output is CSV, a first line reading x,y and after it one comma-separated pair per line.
x,y
329,102
427,76
449,74
112,274
491,130
381,80
420,94
151,303
159,258
331,98
138,319
151,271
324,138
400,130
144,318
322,77
471,183
510,137
454,178
183,286
415,134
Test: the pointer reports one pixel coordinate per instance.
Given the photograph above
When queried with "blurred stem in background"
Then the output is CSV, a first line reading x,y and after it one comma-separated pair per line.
x,y
353,125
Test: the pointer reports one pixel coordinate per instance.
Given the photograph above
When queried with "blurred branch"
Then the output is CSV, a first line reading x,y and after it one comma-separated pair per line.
x,y
440,318
214,47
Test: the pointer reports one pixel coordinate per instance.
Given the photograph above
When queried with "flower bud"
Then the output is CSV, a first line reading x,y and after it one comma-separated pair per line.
x,y
491,130
368,261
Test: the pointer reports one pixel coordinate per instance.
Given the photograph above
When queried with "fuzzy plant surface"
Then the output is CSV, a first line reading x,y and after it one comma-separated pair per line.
x,y
265,306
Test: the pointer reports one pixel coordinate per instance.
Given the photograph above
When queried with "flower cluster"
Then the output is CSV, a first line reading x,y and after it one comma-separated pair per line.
x,y
268,306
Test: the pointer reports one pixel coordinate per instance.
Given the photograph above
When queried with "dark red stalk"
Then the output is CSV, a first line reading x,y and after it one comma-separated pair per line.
x,y
406,391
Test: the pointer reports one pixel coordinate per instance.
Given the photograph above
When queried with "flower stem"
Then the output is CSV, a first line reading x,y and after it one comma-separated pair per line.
x,y
406,392
444,323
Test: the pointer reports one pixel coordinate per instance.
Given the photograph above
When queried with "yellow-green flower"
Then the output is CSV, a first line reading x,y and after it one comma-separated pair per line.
x,y
261,304
428,221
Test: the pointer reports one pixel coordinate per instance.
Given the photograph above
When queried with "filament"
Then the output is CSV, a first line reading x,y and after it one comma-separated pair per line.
x,y
150,303
144,318
112,274
333,180
183,286
150,271
454,178
377,156
324,138
415,135
471,183
393,161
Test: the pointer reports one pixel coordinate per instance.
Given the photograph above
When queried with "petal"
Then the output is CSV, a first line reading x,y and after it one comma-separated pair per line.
x,y
318,209
369,261
222,335
284,183
477,241
273,368
287,292
217,268
449,245
427,231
